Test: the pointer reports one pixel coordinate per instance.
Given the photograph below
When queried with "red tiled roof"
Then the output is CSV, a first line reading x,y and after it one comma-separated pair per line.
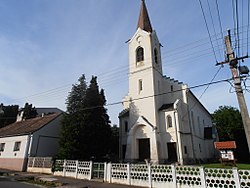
x,y
27,126
225,145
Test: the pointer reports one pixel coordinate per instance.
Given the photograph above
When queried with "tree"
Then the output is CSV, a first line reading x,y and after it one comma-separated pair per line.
x,y
229,126
227,120
69,144
8,114
96,134
29,111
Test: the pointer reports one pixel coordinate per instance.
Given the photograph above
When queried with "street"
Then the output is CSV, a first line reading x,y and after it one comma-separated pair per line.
x,y
8,182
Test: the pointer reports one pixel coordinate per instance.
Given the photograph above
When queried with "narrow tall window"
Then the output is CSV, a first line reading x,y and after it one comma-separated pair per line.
x,y
126,126
2,146
17,146
140,85
169,121
156,56
185,150
139,54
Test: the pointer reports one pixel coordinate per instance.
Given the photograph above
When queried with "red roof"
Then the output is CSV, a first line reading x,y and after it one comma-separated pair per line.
x,y
225,145
27,126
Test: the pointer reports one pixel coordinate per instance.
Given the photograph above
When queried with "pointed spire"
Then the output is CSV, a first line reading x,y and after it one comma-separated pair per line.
x,y
144,22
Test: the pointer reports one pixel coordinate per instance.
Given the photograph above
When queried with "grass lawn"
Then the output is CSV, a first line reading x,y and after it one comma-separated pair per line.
x,y
219,165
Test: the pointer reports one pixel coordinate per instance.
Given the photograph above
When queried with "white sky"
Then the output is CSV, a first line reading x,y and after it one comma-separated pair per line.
x,y
45,46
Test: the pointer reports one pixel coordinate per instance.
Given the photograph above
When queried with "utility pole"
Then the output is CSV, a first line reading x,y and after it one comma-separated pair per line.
x,y
233,64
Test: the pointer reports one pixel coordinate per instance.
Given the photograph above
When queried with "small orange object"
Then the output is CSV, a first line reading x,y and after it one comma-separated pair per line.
x,y
225,145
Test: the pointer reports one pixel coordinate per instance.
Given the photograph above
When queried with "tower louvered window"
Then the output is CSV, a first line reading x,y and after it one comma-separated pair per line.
x,y
139,54
156,56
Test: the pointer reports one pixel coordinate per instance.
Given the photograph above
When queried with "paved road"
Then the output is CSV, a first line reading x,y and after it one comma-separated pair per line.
x,y
6,182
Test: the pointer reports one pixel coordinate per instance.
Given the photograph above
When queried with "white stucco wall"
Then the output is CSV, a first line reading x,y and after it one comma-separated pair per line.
x,y
14,160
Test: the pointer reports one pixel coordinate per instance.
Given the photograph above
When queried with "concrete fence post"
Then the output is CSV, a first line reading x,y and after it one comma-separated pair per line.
x,y
173,168
236,177
149,175
128,172
64,167
90,170
43,162
203,178
105,172
77,164
109,172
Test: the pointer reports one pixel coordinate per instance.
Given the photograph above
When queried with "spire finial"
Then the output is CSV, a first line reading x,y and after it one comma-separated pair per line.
x,y
144,21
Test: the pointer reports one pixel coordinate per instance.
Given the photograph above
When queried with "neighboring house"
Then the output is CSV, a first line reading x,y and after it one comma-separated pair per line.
x,y
36,137
162,120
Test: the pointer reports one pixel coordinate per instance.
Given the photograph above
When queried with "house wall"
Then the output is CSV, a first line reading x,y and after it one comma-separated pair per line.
x,y
14,160
45,141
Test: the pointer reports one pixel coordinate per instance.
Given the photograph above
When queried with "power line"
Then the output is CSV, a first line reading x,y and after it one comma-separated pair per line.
x,y
208,30
220,23
213,24
160,94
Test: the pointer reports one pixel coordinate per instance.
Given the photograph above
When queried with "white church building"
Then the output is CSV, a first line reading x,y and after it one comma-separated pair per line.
x,y
162,120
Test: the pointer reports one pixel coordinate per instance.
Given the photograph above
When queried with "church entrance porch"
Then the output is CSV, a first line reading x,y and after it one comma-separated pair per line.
x,y
144,149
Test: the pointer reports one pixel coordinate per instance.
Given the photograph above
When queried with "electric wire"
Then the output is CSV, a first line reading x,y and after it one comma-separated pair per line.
x,y
220,24
160,94
208,30
210,13
237,27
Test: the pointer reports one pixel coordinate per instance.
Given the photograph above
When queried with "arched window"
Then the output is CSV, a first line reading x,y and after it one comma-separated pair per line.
x,y
139,54
156,56
169,121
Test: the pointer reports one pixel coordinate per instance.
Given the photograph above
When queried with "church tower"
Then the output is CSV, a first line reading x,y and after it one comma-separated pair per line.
x,y
145,73
157,123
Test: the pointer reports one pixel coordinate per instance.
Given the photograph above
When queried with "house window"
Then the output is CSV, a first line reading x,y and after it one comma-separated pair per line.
x,y
185,149
126,126
172,88
200,147
169,121
140,85
2,146
156,56
139,54
17,146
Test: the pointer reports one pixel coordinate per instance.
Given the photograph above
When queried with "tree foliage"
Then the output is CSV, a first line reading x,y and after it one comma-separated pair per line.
x,y
8,114
227,120
29,111
229,125
86,129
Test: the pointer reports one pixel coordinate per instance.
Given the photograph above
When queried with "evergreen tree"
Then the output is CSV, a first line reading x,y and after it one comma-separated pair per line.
x,y
72,122
86,129
29,111
8,114
96,134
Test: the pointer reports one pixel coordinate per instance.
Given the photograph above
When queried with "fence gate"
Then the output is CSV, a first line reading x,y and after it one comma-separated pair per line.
x,y
98,170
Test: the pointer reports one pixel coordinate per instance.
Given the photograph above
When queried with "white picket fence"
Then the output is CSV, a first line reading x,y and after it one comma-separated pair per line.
x,y
157,176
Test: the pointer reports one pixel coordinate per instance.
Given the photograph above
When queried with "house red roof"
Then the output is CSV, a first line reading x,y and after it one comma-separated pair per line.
x,y
27,126
225,145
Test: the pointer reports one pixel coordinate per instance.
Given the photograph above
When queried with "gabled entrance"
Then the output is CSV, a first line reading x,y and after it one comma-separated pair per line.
x,y
144,149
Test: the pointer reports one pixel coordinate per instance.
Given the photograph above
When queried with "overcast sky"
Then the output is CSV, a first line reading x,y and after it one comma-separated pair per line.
x,y
45,46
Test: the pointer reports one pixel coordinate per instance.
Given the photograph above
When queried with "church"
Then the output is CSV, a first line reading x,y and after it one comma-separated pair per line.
x,y
162,121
